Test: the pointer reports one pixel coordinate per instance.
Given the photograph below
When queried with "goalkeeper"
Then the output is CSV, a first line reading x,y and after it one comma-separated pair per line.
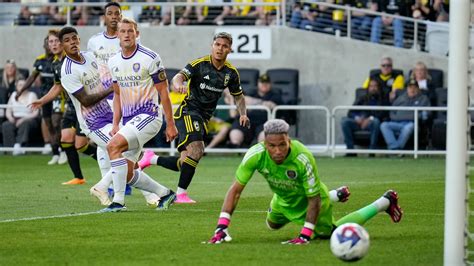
x,y
299,195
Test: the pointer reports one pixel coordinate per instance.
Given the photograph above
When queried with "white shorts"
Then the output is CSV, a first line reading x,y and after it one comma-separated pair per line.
x,y
138,131
101,136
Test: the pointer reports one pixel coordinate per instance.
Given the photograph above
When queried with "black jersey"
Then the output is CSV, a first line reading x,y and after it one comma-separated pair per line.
x,y
206,84
44,66
57,64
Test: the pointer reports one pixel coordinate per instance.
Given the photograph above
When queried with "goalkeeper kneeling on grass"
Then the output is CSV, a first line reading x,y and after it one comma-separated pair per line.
x,y
299,195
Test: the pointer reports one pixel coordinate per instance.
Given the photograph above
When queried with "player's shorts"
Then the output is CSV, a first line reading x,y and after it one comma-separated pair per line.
x,y
278,214
47,110
191,127
101,136
138,131
58,105
70,121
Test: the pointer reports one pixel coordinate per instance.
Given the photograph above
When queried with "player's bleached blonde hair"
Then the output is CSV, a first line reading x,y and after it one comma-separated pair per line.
x,y
130,21
275,126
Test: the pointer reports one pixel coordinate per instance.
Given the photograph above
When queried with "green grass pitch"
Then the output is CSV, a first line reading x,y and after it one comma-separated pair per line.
x,y
33,230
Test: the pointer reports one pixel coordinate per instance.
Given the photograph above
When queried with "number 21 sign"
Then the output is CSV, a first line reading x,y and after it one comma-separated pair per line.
x,y
249,43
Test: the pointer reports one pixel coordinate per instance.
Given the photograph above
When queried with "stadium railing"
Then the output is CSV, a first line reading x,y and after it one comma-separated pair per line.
x,y
421,35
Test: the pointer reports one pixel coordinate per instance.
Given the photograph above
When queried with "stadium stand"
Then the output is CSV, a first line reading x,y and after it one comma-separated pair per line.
x,y
249,79
286,81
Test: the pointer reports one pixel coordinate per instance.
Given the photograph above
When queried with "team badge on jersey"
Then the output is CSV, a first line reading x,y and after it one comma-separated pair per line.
x,y
136,67
291,174
196,125
94,64
226,79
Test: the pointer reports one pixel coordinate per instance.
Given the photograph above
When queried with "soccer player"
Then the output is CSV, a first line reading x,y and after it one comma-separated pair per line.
x,y
299,195
139,77
206,77
53,111
72,138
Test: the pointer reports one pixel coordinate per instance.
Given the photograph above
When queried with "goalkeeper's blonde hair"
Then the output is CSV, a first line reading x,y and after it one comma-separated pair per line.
x,y
276,126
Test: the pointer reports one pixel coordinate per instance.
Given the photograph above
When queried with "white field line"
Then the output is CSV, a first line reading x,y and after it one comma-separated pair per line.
x,y
338,182
173,210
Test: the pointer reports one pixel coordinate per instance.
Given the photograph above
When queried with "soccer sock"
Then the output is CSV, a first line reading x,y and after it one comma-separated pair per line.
x,y
171,163
187,172
151,198
72,159
143,181
104,182
333,196
361,216
103,161
90,150
119,179
55,148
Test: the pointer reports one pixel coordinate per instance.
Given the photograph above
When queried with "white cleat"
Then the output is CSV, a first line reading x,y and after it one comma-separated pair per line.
x,y
101,195
62,158
54,160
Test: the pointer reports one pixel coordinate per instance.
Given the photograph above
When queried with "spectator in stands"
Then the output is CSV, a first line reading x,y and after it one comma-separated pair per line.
x,y
425,83
311,16
362,22
238,12
266,15
24,18
422,9
264,95
399,129
43,18
192,14
150,14
393,7
442,9
368,120
10,76
390,80
21,121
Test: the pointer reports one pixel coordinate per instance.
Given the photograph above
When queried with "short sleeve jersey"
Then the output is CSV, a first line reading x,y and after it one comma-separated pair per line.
x,y
293,181
57,64
43,66
206,84
78,76
136,77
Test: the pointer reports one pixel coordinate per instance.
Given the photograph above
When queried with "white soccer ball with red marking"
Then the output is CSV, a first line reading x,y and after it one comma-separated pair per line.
x,y
350,242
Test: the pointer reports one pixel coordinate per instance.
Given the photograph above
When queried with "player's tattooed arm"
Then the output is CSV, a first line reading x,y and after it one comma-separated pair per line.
x,y
91,99
242,109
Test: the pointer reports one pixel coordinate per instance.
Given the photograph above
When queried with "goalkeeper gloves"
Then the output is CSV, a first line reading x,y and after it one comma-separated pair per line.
x,y
221,234
304,236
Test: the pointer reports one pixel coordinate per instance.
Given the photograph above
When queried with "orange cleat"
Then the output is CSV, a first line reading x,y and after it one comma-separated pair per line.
x,y
75,181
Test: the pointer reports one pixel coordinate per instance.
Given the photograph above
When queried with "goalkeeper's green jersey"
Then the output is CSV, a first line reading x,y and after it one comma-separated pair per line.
x,y
293,181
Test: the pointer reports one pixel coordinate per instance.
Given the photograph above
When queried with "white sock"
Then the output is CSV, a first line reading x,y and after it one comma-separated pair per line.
x,y
180,191
119,178
105,182
333,196
154,159
103,161
382,204
143,181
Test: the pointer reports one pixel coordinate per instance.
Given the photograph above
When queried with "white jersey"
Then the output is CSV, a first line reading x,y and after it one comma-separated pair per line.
x,y
77,76
136,76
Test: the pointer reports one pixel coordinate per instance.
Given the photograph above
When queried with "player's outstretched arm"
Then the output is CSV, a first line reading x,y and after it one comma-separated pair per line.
x,y
90,99
178,83
171,130
314,206
242,109
230,203
48,97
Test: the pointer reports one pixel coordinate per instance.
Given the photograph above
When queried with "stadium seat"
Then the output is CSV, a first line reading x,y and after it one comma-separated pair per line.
x,y
438,129
376,71
437,76
24,71
248,79
286,81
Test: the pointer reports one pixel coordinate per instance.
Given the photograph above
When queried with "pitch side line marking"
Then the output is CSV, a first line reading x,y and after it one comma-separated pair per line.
x,y
174,210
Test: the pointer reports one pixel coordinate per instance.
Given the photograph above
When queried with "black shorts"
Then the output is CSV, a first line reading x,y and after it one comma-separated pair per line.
x,y
191,127
70,121
249,133
47,110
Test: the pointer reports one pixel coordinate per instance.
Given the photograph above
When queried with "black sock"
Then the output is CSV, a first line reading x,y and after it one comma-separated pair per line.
x,y
171,163
72,159
90,150
188,167
55,148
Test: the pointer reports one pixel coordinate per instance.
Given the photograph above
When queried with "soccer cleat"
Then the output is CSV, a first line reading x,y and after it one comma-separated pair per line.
x,y
54,160
343,193
75,181
114,207
62,158
128,190
183,198
146,159
166,201
101,195
46,149
393,209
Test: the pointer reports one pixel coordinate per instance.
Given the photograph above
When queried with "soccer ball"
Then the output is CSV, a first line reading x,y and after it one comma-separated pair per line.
x,y
350,242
